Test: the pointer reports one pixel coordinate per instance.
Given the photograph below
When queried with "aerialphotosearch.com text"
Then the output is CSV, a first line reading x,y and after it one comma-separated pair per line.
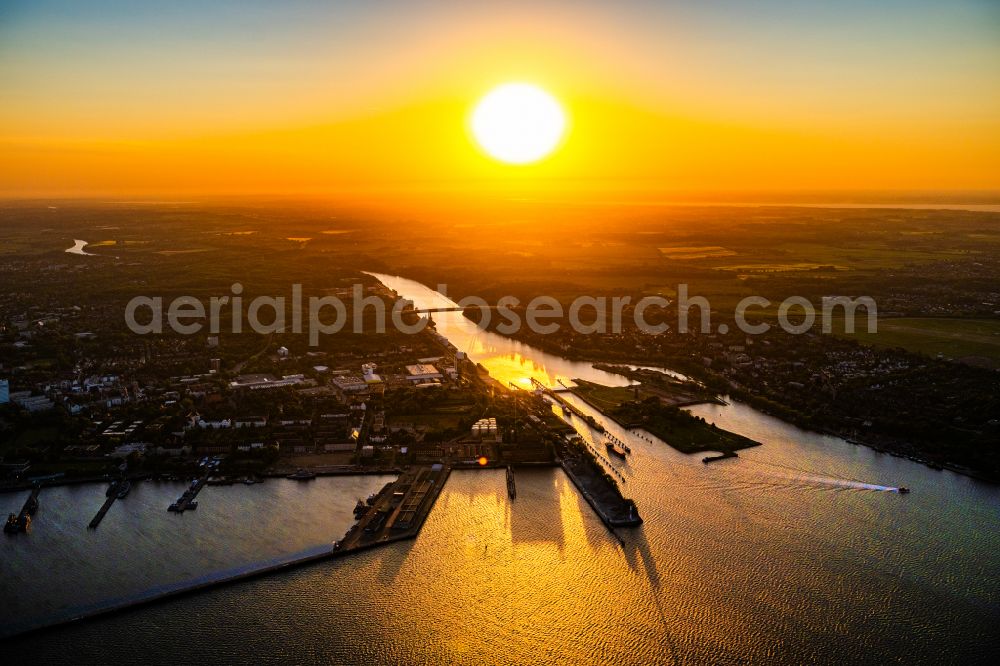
x,y
317,316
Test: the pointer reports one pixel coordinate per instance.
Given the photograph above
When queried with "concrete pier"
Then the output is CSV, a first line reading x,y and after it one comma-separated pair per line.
x,y
21,522
186,501
102,511
118,488
398,511
31,504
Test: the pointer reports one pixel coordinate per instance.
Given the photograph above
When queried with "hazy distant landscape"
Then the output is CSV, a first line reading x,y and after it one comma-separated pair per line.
x,y
522,332
922,388
931,273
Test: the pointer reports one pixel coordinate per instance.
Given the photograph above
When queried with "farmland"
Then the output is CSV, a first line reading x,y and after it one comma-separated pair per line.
x,y
969,340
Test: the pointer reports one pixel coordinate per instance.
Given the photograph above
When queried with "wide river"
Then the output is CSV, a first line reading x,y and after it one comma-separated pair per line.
x,y
77,248
788,554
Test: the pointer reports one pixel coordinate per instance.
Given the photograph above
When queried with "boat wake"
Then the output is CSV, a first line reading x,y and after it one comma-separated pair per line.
x,y
844,483
809,478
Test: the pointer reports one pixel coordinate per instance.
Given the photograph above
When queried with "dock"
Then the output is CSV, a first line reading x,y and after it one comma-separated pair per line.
x,y
102,511
398,511
335,470
21,522
114,491
30,504
186,502
613,510
395,514
567,406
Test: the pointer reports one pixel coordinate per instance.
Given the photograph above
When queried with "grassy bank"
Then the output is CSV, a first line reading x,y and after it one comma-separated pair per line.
x,y
679,429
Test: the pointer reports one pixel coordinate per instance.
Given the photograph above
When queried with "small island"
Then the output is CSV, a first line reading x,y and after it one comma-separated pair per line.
x,y
636,407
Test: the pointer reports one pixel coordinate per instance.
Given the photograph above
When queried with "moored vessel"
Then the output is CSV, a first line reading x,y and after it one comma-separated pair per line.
x,y
17,523
614,449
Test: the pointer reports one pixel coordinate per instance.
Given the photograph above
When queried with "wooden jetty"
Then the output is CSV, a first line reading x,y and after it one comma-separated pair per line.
x,y
22,520
117,490
186,501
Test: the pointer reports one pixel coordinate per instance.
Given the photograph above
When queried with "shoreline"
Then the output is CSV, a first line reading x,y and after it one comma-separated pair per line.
x,y
233,576
321,470
879,447
609,522
185,589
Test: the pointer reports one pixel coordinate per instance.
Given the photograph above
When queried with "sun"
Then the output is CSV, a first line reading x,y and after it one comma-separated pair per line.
x,y
518,123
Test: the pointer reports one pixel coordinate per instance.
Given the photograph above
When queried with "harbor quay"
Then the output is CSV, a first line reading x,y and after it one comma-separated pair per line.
x,y
395,513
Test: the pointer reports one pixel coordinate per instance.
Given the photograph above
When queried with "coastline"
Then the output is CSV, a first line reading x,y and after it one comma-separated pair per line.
x,y
319,553
892,447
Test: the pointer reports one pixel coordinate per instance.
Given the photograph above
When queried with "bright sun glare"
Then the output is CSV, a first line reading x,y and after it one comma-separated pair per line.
x,y
518,123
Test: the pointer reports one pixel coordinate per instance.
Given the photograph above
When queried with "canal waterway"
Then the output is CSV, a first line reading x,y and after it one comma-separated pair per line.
x,y
797,551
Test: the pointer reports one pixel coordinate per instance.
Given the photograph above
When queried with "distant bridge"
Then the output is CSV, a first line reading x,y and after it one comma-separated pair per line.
x,y
454,309
548,389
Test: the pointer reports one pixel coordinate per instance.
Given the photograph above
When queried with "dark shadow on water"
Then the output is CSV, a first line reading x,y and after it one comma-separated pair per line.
x,y
392,558
638,555
640,559
535,515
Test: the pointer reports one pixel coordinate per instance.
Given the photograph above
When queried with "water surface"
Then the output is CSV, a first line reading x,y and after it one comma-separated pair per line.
x,y
786,554
508,361
140,548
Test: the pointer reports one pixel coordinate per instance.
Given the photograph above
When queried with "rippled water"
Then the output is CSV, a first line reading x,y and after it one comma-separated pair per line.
x,y
775,557
735,561
62,567
507,360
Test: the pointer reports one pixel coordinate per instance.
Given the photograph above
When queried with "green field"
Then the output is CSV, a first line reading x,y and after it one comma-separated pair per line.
x,y
952,338
684,432
603,397
679,429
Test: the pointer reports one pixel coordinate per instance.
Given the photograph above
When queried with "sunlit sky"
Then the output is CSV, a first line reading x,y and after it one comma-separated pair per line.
x,y
663,99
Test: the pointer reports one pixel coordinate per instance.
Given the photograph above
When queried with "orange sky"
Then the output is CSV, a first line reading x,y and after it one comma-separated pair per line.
x,y
662,100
